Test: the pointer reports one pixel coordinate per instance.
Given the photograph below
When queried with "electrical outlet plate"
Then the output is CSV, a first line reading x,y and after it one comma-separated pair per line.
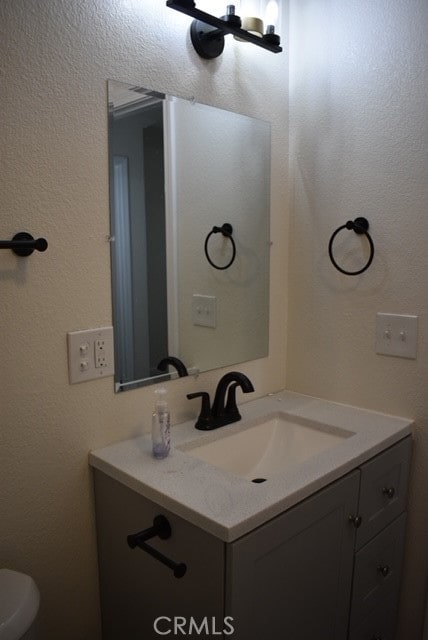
x,y
90,354
396,335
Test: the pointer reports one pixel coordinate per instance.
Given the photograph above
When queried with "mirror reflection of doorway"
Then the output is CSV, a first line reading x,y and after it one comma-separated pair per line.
x,y
138,250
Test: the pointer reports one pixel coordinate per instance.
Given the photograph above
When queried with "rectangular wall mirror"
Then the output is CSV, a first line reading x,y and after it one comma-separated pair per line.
x,y
183,288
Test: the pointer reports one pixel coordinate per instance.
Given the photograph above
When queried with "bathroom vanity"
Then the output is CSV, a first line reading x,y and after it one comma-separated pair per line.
x,y
314,551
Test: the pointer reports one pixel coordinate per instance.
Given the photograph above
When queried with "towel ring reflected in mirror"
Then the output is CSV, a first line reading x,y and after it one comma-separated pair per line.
x,y
226,230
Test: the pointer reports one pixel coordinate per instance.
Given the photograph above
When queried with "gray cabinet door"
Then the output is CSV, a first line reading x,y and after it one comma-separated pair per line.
x,y
136,589
291,578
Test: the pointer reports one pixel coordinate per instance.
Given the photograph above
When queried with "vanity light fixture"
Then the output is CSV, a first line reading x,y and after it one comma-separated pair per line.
x,y
207,32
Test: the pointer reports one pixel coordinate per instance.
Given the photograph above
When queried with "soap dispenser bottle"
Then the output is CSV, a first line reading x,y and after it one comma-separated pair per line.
x,y
161,426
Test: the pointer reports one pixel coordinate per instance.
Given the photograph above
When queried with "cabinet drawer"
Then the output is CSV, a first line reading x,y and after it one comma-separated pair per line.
x,y
383,489
380,624
377,572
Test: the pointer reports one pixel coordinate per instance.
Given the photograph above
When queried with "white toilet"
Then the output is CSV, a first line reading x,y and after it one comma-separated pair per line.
x,y
19,605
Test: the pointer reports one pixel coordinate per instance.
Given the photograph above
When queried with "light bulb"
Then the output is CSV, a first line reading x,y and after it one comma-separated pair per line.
x,y
271,13
251,7
253,25
251,17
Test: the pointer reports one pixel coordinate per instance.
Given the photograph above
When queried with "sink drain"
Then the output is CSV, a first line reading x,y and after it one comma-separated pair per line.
x,y
258,480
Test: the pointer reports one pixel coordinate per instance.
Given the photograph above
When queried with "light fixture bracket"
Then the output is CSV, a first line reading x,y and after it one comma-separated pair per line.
x,y
208,42
207,32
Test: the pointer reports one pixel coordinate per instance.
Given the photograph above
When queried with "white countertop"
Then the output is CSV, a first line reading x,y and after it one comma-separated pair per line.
x,y
229,506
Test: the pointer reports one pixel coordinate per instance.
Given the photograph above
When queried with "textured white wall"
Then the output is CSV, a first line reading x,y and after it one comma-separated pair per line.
x,y
358,146
56,57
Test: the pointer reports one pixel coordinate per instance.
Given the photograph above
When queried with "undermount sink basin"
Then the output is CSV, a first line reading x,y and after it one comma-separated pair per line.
x,y
267,446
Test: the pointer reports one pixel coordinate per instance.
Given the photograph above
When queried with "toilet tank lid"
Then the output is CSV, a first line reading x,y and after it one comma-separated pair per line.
x,y
19,603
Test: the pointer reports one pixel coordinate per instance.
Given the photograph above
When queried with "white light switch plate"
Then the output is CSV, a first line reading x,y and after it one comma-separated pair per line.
x,y
204,310
90,354
396,335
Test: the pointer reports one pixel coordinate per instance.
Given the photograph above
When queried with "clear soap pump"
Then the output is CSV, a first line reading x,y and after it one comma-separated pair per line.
x,y
160,426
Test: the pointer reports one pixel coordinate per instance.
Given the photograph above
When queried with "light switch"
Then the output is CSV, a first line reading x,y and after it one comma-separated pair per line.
x,y
204,311
396,335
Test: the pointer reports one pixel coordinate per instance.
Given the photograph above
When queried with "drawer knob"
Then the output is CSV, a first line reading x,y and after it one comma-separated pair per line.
x,y
383,570
389,491
356,521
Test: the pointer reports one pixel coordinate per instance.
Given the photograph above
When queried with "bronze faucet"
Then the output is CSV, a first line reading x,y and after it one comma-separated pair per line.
x,y
223,411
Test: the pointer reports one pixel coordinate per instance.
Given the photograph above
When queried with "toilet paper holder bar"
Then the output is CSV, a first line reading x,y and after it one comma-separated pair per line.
x,y
162,529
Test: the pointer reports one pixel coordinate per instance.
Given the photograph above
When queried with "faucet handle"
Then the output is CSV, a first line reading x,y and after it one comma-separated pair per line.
x,y
205,416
